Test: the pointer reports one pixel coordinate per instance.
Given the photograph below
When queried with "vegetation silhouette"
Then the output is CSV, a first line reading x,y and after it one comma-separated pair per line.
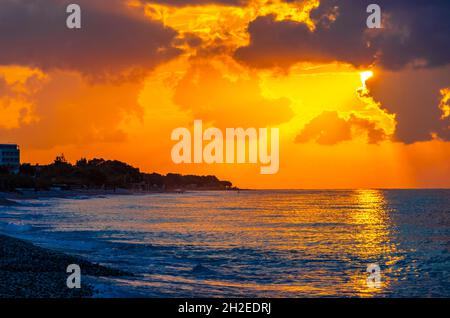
x,y
102,174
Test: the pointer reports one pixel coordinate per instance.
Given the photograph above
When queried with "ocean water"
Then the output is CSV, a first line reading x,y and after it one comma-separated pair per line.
x,y
252,243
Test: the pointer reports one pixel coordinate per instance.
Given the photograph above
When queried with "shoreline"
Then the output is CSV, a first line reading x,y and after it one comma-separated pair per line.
x,y
30,194
11,198
30,271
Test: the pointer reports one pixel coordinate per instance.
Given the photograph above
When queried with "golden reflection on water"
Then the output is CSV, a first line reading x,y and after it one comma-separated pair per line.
x,y
374,240
324,229
368,238
372,216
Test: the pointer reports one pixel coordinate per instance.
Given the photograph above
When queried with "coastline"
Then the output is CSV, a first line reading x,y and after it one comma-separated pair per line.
x,y
7,197
29,271
13,198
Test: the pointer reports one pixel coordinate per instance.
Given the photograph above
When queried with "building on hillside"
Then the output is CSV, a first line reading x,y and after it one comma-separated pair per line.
x,y
10,157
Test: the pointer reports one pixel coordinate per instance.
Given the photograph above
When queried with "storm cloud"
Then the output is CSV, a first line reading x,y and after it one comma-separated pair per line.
x,y
414,96
414,33
112,39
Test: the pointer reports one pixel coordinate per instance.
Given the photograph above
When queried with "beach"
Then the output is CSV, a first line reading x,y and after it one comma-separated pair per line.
x,y
29,271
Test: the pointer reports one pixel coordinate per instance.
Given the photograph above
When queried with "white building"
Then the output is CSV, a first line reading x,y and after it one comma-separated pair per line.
x,y
10,157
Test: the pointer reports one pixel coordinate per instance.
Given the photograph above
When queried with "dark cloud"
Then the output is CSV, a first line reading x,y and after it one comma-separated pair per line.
x,y
415,32
414,96
329,129
113,39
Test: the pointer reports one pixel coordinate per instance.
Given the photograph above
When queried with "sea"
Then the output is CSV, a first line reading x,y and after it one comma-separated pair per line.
x,y
261,243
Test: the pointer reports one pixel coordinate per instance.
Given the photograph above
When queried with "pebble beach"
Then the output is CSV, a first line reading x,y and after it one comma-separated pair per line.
x,y
29,271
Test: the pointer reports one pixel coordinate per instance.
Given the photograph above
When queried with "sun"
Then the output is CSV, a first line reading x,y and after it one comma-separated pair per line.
x,y
365,76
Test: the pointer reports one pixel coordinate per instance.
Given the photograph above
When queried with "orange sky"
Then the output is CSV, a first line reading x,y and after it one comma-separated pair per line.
x,y
53,111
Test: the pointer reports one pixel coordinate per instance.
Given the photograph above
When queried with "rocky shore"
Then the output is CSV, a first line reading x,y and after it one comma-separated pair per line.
x,y
29,271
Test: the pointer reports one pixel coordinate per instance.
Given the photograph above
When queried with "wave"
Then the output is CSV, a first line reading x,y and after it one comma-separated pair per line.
x,y
11,227
8,203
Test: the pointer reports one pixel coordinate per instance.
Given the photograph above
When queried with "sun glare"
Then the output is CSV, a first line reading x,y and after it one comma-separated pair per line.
x,y
365,76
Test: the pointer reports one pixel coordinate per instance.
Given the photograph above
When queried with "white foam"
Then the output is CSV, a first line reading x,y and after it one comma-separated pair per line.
x,y
16,227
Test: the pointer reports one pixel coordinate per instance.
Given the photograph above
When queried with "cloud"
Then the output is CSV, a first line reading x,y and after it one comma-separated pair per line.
x,y
444,104
228,102
16,85
113,39
181,3
329,129
414,96
411,54
415,33
5,89
70,111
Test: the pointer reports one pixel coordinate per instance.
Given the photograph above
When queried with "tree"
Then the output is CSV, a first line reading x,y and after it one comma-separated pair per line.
x,y
60,159
82,163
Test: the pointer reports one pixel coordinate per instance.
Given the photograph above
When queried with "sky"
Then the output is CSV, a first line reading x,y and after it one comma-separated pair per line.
x,y
355,107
